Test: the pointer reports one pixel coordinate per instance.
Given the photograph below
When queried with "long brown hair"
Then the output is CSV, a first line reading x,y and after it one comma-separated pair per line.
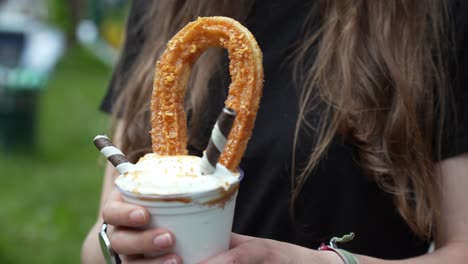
x,y
378,76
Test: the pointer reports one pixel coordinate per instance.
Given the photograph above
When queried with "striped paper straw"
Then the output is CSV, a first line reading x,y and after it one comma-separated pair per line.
x,y
113,154
217,141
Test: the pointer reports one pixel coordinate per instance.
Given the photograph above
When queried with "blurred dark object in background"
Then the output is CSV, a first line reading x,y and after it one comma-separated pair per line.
x,y
34,34
29,50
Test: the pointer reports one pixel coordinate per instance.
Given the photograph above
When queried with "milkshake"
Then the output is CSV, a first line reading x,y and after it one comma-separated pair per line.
x,y
198,209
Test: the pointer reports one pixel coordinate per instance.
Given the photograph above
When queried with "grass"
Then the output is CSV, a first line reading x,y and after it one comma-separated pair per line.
x,y
49,194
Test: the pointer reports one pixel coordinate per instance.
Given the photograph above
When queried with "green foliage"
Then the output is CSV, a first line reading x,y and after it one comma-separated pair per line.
x,y
49,196
60,15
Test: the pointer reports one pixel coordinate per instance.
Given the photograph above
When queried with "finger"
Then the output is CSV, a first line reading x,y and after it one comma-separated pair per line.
x,y
131,241
138,259
119,213
115,195
237,239
244,254
231,256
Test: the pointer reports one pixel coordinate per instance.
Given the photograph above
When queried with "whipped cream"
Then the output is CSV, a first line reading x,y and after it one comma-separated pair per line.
x,y
172,175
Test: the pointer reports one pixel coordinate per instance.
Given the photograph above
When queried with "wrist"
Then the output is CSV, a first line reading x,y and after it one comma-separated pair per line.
x,y
90,250
345,256
329,257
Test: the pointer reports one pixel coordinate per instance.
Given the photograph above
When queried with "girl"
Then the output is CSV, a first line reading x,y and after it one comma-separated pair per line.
x,y
362,128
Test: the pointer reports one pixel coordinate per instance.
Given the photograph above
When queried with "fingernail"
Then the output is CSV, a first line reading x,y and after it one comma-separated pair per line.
x,y
137,216
170,261
163,241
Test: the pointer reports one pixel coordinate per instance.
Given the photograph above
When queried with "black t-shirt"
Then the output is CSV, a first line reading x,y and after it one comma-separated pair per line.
x,y
338,197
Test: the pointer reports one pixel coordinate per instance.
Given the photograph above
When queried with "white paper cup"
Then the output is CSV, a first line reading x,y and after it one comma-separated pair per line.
x,y
201,222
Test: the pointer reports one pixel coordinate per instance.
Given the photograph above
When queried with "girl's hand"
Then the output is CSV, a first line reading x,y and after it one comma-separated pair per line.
x,y
129,240
245,249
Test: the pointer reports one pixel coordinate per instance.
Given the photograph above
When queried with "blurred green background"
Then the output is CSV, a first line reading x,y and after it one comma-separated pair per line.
x,y
50,191
49,196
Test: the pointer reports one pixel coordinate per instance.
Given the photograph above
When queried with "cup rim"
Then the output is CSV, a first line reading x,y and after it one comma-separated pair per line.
x,y
194,195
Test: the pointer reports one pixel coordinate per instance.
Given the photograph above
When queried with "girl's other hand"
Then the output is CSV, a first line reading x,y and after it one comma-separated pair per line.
x,y
246,250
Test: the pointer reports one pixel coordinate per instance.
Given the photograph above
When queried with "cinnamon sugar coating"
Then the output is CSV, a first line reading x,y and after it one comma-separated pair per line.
x,y
168,120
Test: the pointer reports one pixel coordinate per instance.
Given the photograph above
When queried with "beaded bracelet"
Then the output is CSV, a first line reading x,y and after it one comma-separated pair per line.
x,y
346,256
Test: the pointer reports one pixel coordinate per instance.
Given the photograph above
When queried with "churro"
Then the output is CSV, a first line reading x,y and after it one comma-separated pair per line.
x,y
168,119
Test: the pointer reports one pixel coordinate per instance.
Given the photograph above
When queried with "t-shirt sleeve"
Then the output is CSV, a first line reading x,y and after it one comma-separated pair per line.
x,y
132,45
455,133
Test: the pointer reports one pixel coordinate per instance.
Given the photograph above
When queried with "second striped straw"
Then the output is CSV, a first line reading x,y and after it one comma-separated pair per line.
x,y
217,141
